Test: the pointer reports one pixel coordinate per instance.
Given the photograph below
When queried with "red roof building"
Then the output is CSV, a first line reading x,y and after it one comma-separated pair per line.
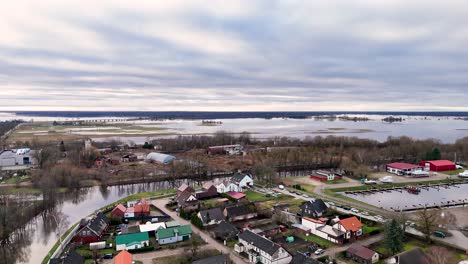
x,y
118,211
236,195
438,165
351,224
123,258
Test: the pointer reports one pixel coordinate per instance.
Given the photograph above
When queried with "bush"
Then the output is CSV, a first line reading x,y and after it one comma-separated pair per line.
x,y
196,221
141,250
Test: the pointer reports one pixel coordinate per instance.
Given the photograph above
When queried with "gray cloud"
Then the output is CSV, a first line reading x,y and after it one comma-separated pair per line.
x,y
239,55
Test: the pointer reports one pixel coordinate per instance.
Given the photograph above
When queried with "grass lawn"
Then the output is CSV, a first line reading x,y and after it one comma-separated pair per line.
x,y
335,181
317,240
231,244
210,202
255,196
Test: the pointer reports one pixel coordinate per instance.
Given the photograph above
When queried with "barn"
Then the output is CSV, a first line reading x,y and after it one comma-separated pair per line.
x,y
438,165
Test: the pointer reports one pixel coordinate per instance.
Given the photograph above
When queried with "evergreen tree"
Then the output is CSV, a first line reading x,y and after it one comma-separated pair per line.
x,y
394,237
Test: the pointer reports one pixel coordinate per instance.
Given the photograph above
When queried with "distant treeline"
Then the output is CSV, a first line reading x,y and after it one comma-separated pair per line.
x,y
223,115
6,126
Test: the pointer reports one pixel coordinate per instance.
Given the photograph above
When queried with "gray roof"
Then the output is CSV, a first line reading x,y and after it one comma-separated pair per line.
x,y
299,258
220,259
226,230
99,223
260,242
240,209
71,257
238,177
414,256
211,214
317,206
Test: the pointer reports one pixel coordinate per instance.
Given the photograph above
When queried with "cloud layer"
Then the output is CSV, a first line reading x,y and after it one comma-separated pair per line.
x,y
361,55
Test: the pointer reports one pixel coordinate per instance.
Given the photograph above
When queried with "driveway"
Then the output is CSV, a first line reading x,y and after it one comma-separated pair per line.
x,y
366,242
213,244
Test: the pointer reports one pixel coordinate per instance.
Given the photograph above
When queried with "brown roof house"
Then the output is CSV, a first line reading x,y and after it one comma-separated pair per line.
x,y
208,191
118,211
362,254
184,188
187,201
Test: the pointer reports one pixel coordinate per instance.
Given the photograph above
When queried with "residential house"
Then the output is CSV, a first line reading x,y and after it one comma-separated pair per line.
x,y
142,208
361,254
129,212
261,250
226,231
187,201
185,188
243,181
414,256
240,212
351,226
226,186
174,234
315,208
118,211
283,211
172,224
211,216
124,257
319,228
209,190
132,241
91,230
71,257
219,259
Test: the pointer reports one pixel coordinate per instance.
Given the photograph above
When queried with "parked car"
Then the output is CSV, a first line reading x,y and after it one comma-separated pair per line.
x,y
319,251
331,203
108,256
365,213
281,187
347,208
439,234
354,210
305,195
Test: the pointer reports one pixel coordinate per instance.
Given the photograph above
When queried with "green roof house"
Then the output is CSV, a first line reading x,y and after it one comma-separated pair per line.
x,y
132,241
174,234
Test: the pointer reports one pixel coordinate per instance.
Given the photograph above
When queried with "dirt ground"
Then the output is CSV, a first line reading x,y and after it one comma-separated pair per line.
x,y
461,215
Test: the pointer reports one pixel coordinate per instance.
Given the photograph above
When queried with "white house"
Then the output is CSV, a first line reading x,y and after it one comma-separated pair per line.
x,y
132,241
151,227
227,186
261,250
321,229
242,180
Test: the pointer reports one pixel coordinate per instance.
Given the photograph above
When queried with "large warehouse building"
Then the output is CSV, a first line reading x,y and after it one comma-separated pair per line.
x,y
438,165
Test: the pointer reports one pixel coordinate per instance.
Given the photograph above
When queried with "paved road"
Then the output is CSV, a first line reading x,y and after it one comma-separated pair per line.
x,y
365,242
160,203
457,240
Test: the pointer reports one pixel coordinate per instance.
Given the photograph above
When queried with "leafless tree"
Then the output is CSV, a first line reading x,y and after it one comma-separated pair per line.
x,y
427,222
439,255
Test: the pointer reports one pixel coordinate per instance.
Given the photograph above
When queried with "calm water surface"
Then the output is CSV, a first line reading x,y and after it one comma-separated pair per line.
x,y
41,231
404,200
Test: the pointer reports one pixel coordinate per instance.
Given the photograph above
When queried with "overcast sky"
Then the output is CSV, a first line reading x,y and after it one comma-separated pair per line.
x,y
361,55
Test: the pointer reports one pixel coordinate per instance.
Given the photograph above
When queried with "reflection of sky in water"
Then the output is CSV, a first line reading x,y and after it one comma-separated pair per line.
x,y
404,199
444,129
78,206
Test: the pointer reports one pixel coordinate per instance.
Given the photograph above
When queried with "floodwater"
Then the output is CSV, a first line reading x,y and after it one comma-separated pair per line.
x,y
396,200
41,236
446,129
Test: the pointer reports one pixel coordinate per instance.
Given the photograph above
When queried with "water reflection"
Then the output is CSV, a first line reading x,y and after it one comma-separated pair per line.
x,y
31,243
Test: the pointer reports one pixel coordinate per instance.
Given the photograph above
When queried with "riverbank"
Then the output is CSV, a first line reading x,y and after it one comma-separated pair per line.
x,y
148,195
